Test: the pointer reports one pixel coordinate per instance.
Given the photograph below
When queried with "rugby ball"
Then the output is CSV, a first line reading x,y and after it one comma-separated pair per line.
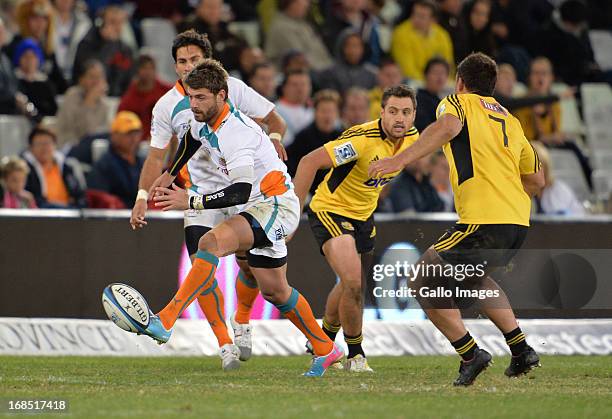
x,y
125,307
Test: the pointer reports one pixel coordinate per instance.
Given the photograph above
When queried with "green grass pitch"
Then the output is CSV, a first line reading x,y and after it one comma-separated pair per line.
x,y
271,387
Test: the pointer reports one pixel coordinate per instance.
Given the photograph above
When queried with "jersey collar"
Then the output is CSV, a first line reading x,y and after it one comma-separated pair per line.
x,y
225,111
383,135
179,86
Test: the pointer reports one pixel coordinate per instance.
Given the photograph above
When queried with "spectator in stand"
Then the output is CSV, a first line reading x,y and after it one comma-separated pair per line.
x,y
33,83
356,107
85,109
71,26
36,20
291,31
248,58
419,39
439,178
324,128
412,190
389,74
349,69
543,122
429,96
8,13
354,14
167,9
208,19
13,177
450,18
515,22
565,42
54,180
294,104
504,91
263,80
11,100
556,197
103,43
144,91
118,170
480,36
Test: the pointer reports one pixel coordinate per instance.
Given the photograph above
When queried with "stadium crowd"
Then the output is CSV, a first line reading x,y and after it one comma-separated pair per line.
x,y
81,73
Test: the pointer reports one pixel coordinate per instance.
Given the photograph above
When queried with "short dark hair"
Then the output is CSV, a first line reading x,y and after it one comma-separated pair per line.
x,y
259,66
574,11
401,90
479,73
327,95
284,4
41,130
436,61
144,59
426,3
191,37
209,74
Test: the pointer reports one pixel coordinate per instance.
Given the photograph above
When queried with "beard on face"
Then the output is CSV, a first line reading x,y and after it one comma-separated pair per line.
x,y
205,116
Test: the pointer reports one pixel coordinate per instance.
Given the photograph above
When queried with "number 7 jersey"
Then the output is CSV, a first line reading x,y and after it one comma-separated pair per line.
x,y
487,159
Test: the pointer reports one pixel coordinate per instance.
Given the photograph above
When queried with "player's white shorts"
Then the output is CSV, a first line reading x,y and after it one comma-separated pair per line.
x,y
278,217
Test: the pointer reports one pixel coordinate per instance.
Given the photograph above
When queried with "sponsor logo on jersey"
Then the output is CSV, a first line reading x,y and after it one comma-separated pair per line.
x,y
345,153
494,107
376,182
347,226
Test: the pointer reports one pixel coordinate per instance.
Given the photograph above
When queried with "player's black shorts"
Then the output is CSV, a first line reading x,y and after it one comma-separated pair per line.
x,y
325,225
493,244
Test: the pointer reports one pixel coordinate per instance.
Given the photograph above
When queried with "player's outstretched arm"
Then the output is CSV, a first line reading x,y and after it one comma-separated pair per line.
x,y
152,167
237,193
306,171
431,139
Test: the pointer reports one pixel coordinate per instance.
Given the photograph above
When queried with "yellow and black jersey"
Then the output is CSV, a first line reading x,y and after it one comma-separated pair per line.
x,y
487,159
347,190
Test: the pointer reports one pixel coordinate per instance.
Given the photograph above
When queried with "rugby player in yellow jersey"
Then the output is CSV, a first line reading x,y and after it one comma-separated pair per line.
x,y
340,213
494,173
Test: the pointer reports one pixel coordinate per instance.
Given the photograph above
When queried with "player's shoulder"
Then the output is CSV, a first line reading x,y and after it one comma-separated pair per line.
x,y
370,129
412,132
168,102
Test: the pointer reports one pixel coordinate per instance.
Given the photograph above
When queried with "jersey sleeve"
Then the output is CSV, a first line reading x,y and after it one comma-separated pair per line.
x,y
530,161
247,100
452,105
161,126
345,149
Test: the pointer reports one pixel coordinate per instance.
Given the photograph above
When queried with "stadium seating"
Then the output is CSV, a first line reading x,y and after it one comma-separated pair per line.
x,y
157,35
597,108
601,42
14,132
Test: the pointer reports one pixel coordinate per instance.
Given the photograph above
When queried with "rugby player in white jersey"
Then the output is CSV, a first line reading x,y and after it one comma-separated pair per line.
x,y
259,193
171,116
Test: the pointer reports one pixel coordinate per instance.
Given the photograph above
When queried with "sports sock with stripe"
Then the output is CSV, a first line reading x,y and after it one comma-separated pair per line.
x,y
516,341
465,347
330,329
200,277
246,293
354,345
212,303
297,309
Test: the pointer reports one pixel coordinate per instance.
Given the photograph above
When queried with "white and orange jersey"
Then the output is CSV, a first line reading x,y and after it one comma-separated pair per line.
x,y
235,140
172,115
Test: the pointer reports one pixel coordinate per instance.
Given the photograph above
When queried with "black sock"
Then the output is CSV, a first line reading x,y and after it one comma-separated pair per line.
x,y
331,330
516,341
354,345
465,347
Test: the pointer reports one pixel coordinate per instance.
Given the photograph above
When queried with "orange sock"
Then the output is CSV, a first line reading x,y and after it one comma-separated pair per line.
x,y
246,293
299,312
200,277
212,304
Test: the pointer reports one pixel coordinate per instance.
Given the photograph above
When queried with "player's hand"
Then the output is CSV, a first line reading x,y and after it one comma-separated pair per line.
x,y
171,199
164,181
137,220
280,149
384,167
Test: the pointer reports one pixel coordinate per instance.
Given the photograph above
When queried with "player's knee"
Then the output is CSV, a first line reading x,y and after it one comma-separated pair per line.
x,y
208,243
